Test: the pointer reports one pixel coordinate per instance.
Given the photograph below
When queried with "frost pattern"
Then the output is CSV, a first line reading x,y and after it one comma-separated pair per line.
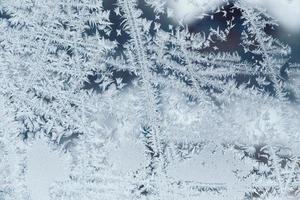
x,y
148,108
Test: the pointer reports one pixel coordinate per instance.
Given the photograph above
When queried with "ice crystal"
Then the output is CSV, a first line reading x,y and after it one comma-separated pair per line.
x,y
147,106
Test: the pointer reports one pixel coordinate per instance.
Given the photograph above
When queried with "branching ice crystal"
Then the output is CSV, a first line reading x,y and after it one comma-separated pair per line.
x,y
146,106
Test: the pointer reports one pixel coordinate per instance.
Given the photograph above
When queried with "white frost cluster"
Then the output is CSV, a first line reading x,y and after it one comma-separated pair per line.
x,y
114,100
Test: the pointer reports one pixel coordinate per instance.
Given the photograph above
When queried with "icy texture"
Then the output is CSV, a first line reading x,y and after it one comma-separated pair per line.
x,y
144,106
